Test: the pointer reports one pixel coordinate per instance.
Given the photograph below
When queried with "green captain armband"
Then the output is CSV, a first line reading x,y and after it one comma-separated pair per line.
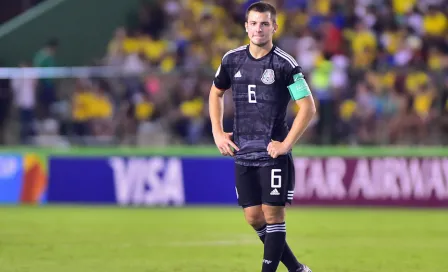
x,y
299,89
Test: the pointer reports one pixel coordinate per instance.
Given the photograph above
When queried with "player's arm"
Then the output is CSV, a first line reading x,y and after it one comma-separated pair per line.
x,y
306,111
216,108
301,94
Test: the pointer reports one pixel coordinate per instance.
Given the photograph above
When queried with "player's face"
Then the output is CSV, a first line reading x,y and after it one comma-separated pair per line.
x,y
260,27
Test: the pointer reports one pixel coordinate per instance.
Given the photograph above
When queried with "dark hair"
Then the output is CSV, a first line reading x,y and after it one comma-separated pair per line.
x,y
262,7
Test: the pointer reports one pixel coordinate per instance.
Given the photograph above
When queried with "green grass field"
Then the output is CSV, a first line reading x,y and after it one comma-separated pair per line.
x,y
97,239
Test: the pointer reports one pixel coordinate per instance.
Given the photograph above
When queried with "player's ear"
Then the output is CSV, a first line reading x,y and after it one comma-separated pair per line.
x,y
245,26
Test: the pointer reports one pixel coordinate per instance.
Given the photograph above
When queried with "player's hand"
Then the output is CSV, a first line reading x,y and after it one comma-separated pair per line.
x,y
276,149
224,143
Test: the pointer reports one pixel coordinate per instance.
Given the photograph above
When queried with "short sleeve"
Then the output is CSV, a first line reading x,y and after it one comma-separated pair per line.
x,y
296,83
222,79
293,74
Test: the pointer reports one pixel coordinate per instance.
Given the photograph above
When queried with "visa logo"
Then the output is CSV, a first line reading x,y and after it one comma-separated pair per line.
x,y
148,181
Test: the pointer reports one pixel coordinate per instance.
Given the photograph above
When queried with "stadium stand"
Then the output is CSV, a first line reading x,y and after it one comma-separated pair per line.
x,y
377,69
12,8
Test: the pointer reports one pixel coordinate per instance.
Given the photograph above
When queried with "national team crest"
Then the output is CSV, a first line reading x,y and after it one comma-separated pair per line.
x,y
268,76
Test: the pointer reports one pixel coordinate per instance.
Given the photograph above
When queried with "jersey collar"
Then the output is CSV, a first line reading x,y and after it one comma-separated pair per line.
x,y
262,58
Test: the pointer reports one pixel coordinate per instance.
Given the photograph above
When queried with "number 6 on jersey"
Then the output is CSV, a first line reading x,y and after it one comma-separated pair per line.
x,y
276,179
251,93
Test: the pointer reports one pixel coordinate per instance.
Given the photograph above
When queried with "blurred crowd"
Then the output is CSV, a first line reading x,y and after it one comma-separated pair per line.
x,y
377,70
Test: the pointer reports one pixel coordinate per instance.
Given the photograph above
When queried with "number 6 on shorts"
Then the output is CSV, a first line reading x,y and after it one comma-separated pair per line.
x,y
276,178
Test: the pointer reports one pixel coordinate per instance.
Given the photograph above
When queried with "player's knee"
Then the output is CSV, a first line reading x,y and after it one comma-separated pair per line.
x,y
274,215
274,219
255,218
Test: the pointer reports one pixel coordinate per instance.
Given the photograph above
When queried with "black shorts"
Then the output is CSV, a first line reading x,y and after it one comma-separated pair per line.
x,y
271,185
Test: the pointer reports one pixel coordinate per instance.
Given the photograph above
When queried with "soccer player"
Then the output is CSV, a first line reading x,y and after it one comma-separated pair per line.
x,y
263,79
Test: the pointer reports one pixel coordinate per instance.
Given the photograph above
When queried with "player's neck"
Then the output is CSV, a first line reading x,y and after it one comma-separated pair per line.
x,y
260,51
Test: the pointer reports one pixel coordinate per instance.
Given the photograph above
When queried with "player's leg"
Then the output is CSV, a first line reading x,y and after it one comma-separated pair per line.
x,y
275,240
277,184
249,194
248,191
255,217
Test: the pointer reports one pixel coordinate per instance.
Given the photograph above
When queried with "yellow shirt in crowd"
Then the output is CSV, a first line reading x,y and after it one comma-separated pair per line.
x,y
101,107
415,80
402,7
422,103
87,105
192,108
144,110
435,25
81,106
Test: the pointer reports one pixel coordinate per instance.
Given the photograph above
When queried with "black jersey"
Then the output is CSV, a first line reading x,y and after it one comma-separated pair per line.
x,y
261,97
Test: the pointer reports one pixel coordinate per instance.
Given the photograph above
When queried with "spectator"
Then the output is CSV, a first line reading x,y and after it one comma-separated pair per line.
x,y
45,57
82,102
25,88
5,102
376,69
102,114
